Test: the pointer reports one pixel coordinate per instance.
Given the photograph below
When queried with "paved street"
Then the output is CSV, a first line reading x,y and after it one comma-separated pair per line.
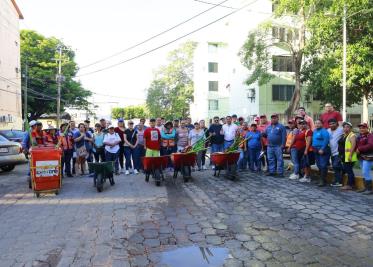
x,y
261,221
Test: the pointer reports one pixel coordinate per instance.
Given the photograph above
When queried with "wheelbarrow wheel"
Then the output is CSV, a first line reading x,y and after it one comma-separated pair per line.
x,y
37,195
99,182
232,172
186,173
112,182
157,177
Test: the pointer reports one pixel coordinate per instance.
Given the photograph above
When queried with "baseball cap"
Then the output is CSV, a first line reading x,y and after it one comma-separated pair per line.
x,y
32,123
111,126
364,124
347,123
120,120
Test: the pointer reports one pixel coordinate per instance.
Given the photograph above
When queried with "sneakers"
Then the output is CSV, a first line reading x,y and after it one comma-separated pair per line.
x,y
213,167
346,188
127,172
294,176
135,172
336,184
305,179
204,167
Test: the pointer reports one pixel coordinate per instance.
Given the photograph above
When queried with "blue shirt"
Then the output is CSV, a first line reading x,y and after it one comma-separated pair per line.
x,y
320,138
276,134
82,142
254,140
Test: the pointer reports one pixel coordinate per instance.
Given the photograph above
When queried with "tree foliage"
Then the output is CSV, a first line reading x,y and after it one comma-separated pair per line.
x,y
39,54
171,91
323,71
130,112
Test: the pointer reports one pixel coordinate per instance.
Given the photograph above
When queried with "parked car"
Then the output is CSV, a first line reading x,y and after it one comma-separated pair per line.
x,y
10,154
13,135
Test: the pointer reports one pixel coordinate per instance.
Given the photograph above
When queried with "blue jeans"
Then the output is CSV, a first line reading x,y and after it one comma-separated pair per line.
x,y
366,167
322,161
242,161
255,164
138,154
275,157
217,148
294,160
129,155
338,168
112,157
227,144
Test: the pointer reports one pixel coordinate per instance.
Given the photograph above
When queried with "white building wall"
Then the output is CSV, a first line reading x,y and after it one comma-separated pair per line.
x,y
230,34
10,70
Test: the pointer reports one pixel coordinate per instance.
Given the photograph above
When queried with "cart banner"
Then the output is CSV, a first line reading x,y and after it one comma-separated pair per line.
x,y
47,168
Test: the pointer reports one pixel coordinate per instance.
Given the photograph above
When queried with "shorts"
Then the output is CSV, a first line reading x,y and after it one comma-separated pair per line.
x,y
152,153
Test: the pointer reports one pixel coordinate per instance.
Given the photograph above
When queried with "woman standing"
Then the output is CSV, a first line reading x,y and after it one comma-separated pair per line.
x,y
80,139
182,136
196,135
66,141
365,152
347,153
255,146
130,143
98,144
320,145
139,149
168,145
120,131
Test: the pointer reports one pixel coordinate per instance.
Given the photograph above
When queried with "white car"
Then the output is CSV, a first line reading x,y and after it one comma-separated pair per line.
x,y
10,154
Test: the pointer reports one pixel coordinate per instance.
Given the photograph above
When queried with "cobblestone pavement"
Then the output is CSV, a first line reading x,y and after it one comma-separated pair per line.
x,y
263,221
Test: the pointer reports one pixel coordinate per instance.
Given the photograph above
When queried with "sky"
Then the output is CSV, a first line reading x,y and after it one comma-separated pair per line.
x,y
96,29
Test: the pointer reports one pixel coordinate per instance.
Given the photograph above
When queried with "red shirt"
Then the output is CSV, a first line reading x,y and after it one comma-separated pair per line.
x,y
325,117
39,136
152,138
300,139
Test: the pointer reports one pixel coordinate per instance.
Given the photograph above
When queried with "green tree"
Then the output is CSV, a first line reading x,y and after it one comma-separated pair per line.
x,y
130,112
323,71
256,53
171,91
39,54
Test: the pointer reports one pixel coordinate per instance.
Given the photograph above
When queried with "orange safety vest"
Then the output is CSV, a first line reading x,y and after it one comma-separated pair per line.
x,y
168,142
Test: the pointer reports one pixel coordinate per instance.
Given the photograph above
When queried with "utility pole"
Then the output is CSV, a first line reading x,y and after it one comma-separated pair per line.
x,y
344,82
25,98
59,81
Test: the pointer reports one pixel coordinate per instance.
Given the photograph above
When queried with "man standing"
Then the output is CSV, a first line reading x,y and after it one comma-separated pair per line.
x,y
320,142
330,113
89,129
364,149
152,140
229,131
276,136
189,124
234,119
302,113
111,142
158,124
335,134
217,136
103,126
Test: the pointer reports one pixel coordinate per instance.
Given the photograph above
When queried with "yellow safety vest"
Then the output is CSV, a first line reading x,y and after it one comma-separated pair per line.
x,y
348,146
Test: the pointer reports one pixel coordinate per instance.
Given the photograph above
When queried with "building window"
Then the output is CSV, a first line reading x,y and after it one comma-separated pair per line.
x,y
213,104
282,63
213,48
213,67
282,92
213,86
284,35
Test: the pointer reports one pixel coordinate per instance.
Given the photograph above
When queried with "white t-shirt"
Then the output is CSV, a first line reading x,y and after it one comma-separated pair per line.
x,y
111,138
230,131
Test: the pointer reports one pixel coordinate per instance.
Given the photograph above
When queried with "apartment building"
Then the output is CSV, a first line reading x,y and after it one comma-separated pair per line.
x,y
10,69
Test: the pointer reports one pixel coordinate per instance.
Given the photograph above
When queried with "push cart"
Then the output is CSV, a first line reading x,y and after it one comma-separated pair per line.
x,y
45,169
154,166
102,171
183,163
227,162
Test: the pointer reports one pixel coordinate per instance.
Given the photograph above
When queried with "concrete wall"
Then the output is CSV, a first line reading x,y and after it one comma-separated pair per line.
x,y
10,70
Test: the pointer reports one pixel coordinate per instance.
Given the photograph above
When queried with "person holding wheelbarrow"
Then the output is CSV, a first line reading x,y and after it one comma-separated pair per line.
x,y
152,140
111,142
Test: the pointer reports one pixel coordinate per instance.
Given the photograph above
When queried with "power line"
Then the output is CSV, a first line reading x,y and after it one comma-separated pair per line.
x,y
209,3
168,43
154,36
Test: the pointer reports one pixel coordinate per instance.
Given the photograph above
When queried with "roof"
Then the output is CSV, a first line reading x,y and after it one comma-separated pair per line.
x,y
20,16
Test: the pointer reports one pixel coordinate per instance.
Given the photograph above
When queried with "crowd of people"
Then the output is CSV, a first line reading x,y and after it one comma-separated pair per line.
x,y
326,142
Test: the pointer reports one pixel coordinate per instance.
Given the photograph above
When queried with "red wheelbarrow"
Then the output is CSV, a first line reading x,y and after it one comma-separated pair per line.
x,y
154,166
183,163
227,162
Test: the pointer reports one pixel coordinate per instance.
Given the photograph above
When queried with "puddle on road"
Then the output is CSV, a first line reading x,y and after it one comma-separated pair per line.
x,y
195,256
